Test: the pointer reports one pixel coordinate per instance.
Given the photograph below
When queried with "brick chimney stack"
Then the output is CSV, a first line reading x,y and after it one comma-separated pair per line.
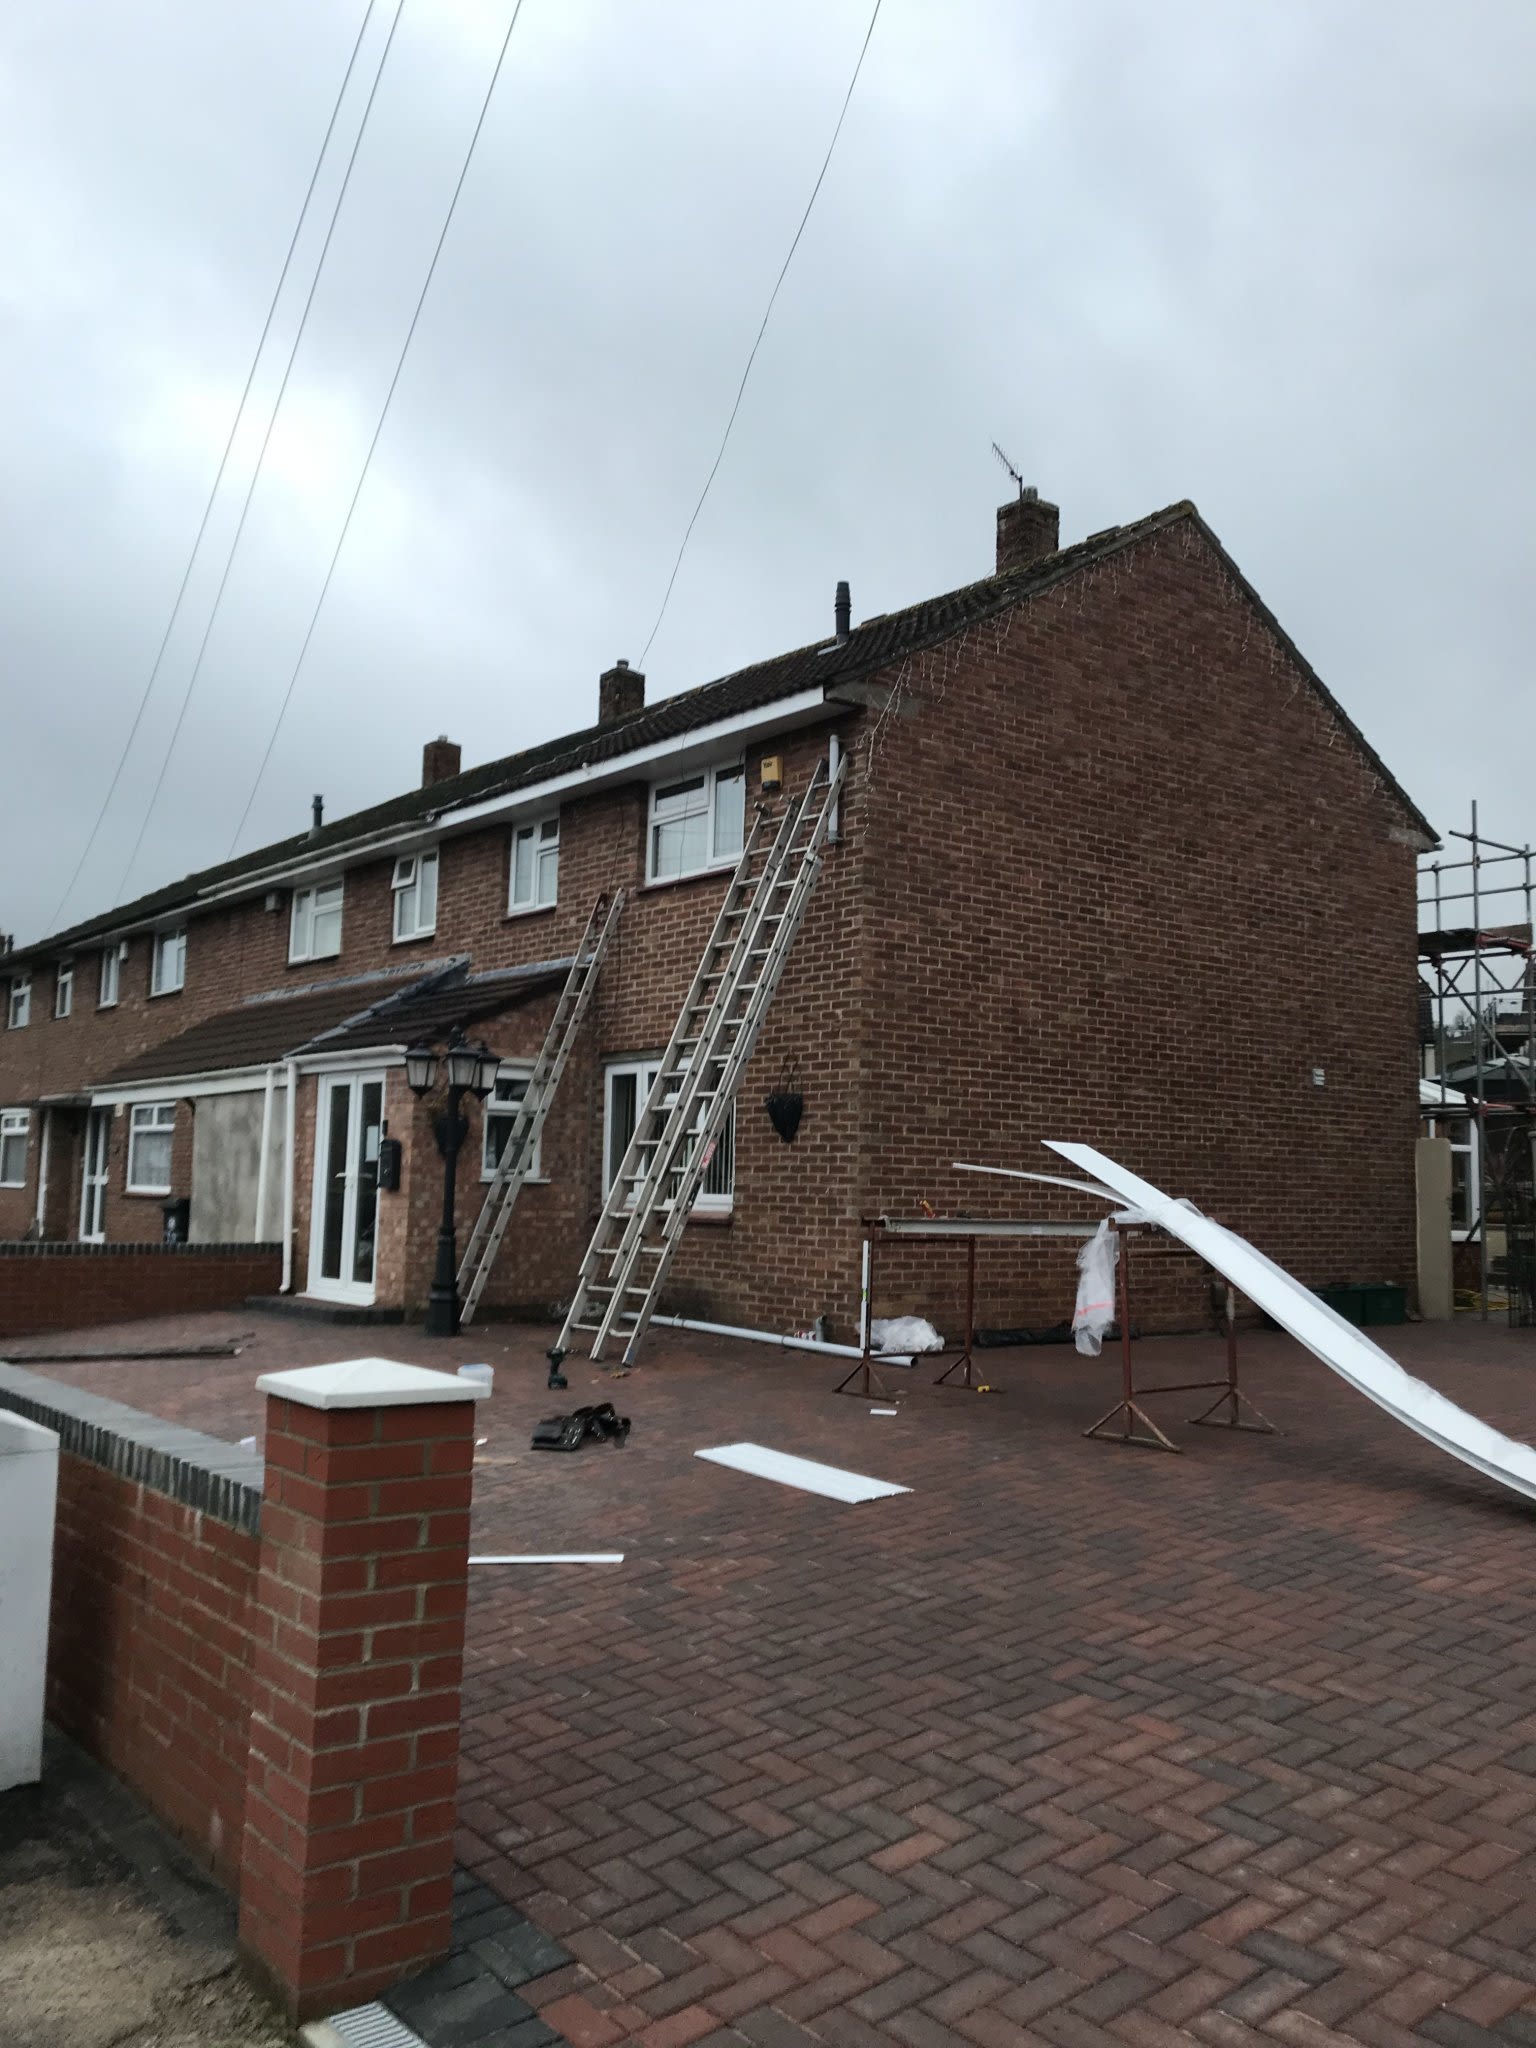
x,y
1028,528
439,760
620,691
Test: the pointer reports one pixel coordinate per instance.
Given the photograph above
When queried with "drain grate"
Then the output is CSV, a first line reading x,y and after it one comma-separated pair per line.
x,y
374,2026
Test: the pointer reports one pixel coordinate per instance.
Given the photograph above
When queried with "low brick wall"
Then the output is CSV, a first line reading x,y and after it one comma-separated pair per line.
x,y
68,1286
270,1654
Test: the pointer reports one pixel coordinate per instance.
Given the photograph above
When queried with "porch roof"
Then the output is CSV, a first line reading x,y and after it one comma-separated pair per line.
x,y
430,1013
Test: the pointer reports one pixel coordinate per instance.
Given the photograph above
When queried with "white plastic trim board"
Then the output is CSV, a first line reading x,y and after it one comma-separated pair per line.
x,y
557,1557
1343,1348
805,1473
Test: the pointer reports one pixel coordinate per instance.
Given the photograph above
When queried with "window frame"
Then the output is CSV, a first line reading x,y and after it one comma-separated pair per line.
x,y
708,1202
1444,1126
176,938
715,859
509,1070
64,989
136,1130
309,895
18,1005
544,833
14,1124
404,890
110,956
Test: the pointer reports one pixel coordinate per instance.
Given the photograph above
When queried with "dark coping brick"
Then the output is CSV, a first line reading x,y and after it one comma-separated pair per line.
x,y
218,1479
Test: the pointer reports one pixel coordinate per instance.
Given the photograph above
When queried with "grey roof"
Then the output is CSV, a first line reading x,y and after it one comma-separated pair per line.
x,y
869,647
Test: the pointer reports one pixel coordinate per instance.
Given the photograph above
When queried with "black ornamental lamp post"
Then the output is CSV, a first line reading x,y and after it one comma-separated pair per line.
x,y
470,1070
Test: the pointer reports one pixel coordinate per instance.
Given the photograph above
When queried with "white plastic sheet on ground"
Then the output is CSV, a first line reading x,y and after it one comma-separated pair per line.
x,y
904,1334
806,1473
1341,1347
1097,1263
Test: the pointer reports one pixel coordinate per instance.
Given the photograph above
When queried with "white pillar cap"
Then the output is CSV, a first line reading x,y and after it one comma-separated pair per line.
x,y
367,1383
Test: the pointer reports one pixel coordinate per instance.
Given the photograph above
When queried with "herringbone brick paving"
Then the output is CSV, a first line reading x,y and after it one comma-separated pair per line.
x,y
1071,1744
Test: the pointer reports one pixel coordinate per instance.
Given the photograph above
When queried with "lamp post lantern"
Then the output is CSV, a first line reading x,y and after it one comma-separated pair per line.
x,y
469,1070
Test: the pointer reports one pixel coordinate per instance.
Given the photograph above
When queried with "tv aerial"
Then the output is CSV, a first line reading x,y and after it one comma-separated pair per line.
x,y
1002,458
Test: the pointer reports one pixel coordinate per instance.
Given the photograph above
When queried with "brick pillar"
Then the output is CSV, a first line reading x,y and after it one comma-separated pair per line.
x,y
347,1862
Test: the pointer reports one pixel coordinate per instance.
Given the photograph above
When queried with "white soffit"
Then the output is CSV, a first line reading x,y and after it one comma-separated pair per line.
x,y
804,1473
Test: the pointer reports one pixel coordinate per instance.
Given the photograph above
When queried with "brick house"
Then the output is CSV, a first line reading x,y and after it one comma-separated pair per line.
x,y
1099,809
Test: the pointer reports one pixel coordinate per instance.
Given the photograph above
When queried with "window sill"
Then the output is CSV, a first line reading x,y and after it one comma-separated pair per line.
x,y
531,910
711,1219
108,1006
148,1194
414,938
12,1187
717,867
534,1180
158,994
312,959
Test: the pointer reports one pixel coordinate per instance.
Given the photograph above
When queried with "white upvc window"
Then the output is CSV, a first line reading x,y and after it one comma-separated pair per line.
x,y
15,1125
168,969
107,979
500,1114
627,1083
415,887
151,1129
697,823
314,930
19,1012
535,879
64,989
1465,1212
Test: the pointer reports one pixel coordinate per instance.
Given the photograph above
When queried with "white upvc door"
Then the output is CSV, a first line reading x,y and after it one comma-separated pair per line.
x,y
343,1235
93,1177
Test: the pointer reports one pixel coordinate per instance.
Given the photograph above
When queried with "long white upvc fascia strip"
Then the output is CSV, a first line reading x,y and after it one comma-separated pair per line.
x,y
371,1057
703,741
224,1081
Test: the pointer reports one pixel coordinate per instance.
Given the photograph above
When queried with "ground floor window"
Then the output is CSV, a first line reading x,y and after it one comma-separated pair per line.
x,y
151,1131
1463,1137
500,1115
628,1083
15,1126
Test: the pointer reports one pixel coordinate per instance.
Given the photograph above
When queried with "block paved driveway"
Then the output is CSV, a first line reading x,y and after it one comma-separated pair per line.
x,y
1071,1743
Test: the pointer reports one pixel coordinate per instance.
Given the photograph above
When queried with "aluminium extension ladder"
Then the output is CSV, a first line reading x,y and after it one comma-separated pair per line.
x,y
677,1131
518,1154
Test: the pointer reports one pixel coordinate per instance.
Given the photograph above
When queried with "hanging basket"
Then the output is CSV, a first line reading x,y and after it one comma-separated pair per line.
x,y
784,1113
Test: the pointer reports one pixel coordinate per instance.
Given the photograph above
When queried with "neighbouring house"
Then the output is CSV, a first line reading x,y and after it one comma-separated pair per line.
x,y
1098,807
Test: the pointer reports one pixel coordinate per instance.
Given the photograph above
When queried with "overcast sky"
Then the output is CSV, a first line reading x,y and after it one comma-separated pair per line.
x,y
1274,256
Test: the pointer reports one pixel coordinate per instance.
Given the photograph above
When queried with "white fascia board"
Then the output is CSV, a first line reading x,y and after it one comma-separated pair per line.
x,y
226,1081
357,1059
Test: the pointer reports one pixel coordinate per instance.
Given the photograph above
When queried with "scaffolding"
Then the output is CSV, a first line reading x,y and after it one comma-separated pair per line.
x,y
1477,1038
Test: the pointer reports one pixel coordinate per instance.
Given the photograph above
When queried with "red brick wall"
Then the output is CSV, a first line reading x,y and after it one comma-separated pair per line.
x,y
71,1287
150,1653
1129,882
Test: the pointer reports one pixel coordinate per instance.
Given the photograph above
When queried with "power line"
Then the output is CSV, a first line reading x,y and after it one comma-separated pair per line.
x,y
752,358
405,346
250,492
250,378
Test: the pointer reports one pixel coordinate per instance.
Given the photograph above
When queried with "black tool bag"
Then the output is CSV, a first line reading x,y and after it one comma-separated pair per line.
x,y
570,1432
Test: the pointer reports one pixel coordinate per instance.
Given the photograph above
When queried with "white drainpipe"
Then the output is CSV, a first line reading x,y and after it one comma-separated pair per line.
x,y
290,1124
834,762
773,1337
262,1152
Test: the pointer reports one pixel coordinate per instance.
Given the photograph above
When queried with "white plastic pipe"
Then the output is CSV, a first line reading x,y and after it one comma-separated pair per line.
x,y
290,1126
772,1337
864,1301
42,1170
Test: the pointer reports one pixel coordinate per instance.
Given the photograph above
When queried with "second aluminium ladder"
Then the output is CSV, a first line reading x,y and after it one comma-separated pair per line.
x,y
677,1131
517,1155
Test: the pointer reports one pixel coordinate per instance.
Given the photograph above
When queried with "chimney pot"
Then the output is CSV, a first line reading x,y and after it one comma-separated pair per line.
x,y
316,813
440,760
842,611
1028,529
620,693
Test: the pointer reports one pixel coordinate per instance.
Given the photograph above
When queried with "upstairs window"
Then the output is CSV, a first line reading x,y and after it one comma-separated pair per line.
x,y
168,970
696,824
151,1133
19,1013
415,887
314,931
64,989
535,865
500,1115
629,1084
14,1127
106,986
